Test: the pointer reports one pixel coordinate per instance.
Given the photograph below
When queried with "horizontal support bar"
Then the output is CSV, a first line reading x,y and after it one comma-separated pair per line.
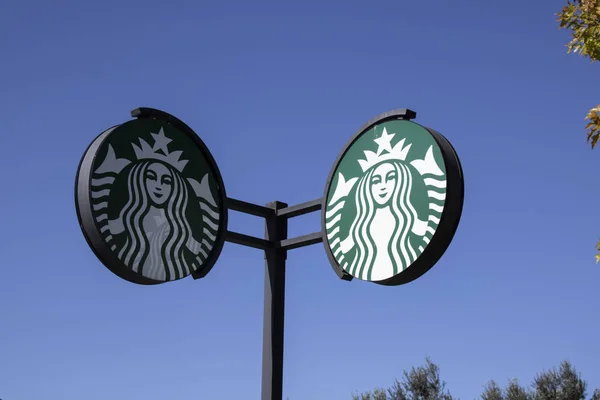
x,y
247,240
262,244
249,208
300,209
301,241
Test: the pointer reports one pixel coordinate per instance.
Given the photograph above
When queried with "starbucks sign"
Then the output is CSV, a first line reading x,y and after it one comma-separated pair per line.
x,y
152,206
392,203
151,201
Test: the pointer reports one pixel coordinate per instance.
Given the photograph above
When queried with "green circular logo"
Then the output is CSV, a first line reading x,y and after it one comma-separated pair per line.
x,y
386,199
151,201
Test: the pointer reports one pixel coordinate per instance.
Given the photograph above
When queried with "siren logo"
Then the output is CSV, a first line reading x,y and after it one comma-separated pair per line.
x,y
152,205
385,200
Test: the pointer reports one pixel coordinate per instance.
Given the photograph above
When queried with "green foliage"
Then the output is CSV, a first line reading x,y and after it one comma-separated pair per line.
x,y
421,383
492,392
593,126
582,18
424,383
560,384
377,394
513,391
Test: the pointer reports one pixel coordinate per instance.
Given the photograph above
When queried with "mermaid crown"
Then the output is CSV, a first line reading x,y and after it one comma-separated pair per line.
x,y
159,151
385,151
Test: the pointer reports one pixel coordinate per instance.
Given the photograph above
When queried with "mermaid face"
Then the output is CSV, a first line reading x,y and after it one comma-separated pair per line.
x,y
159,183
383,183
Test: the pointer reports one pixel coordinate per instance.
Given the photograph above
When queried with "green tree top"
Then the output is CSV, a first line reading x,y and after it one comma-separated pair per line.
x,y
424,383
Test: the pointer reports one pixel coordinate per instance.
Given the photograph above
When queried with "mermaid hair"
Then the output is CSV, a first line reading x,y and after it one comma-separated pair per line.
x,y
401,251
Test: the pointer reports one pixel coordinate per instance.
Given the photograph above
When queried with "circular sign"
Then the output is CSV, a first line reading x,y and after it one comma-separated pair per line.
x,y
150,200
392,202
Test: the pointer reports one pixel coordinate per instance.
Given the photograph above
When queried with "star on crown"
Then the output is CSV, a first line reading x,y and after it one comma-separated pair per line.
x,y
160,151
385,151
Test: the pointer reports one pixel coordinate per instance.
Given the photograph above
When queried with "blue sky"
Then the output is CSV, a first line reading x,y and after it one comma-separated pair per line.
x,y
275,90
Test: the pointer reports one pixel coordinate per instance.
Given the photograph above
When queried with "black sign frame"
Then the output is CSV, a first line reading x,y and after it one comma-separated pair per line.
x,y
451,214
83,203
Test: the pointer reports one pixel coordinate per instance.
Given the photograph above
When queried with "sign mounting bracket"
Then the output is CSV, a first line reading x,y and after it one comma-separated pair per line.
x,y
275,245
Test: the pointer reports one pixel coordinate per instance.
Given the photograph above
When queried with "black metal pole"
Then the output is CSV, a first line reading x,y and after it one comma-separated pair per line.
x,y
273,324
275,245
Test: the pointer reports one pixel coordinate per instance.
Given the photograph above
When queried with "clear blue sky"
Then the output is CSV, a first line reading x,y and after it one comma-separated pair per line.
x,y
275,90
